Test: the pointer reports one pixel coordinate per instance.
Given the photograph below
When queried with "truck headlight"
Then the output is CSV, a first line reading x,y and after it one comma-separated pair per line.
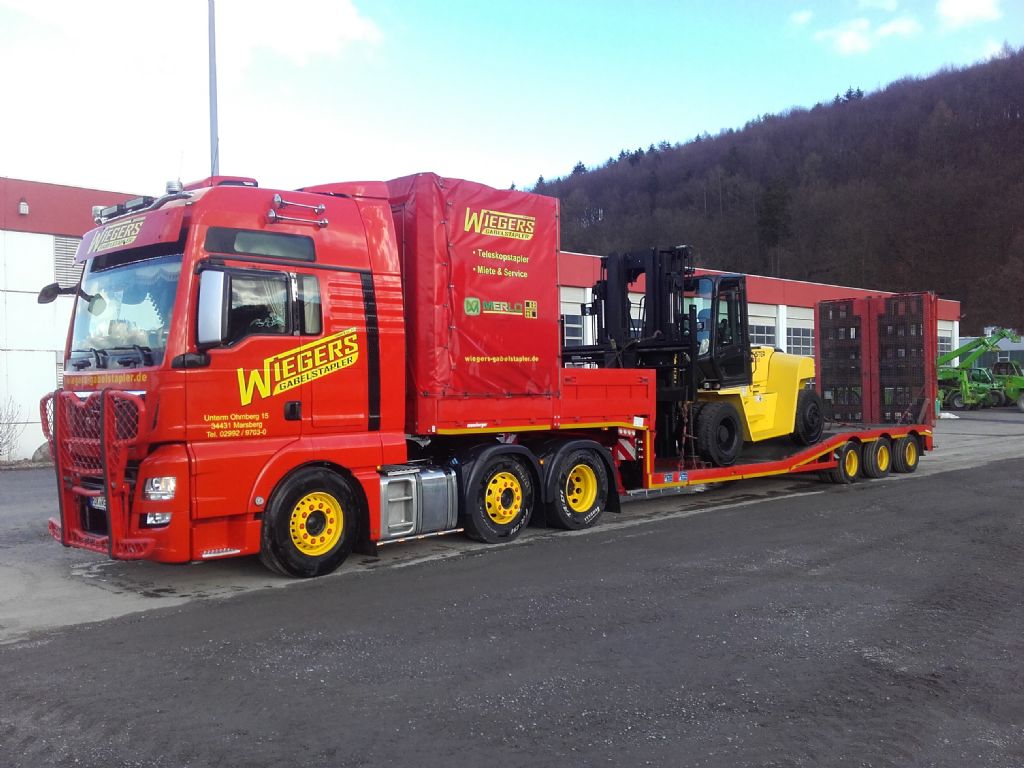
x,y
158,518
159,488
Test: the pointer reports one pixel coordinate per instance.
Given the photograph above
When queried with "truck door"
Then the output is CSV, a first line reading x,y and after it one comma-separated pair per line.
x,y
246,402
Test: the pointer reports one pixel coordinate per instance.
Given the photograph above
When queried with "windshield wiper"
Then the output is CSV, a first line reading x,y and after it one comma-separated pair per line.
x,y
98,355
145,355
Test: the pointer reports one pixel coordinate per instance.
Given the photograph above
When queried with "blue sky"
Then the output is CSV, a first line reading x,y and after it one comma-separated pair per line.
x,y
113,93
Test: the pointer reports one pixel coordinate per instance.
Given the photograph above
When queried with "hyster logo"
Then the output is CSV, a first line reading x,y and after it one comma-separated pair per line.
x,y
297,366
498,224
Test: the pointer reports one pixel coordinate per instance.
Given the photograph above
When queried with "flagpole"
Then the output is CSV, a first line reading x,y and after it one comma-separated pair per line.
x,y
214,141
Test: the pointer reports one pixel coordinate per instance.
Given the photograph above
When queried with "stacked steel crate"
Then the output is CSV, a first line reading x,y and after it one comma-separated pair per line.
x,y
876,358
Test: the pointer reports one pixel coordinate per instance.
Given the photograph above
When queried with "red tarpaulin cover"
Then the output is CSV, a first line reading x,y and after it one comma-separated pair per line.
x,y
480,282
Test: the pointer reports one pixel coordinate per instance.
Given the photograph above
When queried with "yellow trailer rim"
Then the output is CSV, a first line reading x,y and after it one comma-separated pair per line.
x,y
851,463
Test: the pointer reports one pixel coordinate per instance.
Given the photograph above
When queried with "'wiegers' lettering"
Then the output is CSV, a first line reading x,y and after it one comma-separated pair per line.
x,y
116,235
289,369
499,224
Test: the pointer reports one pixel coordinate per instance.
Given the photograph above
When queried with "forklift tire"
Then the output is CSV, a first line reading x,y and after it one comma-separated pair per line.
x,y
719,436
1020,403
906,454
877,456
500,501
996,399
311,523
955,401
582,490
810,418
848,468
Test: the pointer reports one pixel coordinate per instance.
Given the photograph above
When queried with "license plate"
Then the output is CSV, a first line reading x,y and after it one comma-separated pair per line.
x,y
98,502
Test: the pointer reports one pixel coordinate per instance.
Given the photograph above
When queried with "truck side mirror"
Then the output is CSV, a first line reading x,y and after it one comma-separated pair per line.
x,y
213,301
49,294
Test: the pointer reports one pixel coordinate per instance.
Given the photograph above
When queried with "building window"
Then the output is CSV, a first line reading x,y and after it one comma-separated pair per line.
x,y
60,373
65,271
1002,356
572,331
800,341
945,344
763,335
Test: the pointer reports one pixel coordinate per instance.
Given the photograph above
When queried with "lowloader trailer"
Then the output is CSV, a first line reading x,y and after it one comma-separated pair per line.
x,y
299,374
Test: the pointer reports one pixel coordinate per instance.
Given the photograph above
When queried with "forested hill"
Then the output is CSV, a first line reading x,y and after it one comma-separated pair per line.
x,y
919,186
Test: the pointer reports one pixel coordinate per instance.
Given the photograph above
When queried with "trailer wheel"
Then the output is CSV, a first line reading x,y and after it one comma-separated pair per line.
x,y
848,468
810,418
500,504
877,458
906,454
311,523
719,437
582,486
956,401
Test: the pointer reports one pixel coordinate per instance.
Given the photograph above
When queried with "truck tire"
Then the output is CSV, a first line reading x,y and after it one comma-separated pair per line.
x,y
955,401
877,458
906,454
500,503
848,468
311,523
719,436
810,418
582,490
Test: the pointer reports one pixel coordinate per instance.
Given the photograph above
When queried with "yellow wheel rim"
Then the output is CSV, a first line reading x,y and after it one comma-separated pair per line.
x,y
910,453
316,524
851,463
581,488
883,456
503,499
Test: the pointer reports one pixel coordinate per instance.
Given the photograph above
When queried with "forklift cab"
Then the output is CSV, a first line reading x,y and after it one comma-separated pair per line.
x,y
723,342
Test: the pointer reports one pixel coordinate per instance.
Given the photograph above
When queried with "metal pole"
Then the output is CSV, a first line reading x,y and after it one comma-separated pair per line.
x,y
214,141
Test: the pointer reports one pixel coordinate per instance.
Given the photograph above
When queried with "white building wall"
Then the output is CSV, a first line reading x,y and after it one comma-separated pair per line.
x,y
32,335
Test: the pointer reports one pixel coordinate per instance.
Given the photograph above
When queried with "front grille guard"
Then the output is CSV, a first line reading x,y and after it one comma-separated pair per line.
x,y
93,438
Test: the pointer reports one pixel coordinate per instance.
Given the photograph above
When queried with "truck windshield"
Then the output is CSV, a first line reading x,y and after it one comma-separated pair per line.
x,y
123,311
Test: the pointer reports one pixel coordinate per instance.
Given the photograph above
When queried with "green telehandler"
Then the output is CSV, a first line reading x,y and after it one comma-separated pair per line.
x,y
964,386
1009,381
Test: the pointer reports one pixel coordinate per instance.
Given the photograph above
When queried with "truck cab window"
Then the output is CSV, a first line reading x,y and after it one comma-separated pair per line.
x,y
259,306
309,304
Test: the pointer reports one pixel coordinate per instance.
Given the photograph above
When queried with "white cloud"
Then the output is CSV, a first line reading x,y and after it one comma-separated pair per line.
x,y
962,13
119,99
993,49
800,18
861,36
904,26
848,38
881,5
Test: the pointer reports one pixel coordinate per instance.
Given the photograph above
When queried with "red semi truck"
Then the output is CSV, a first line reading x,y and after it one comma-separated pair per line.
x,y
296,374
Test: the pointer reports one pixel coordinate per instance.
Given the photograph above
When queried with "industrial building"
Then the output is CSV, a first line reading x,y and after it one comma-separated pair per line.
x,y
41,225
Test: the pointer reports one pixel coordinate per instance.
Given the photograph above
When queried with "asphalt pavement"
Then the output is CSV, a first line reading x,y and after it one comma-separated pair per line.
x,y
780,622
